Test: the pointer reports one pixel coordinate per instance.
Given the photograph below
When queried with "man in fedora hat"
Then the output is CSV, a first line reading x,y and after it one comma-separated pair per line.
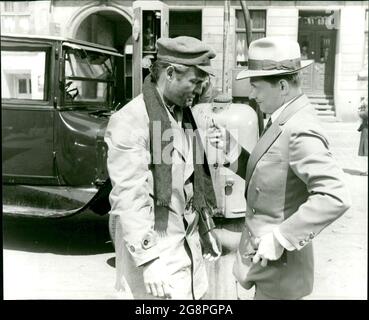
x,y
160,194
294,188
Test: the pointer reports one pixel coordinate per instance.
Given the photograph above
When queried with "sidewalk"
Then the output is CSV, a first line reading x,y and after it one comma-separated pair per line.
x,y
341,249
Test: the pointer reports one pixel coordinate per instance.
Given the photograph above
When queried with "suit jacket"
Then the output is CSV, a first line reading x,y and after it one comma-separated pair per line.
x,y
129,158
292,181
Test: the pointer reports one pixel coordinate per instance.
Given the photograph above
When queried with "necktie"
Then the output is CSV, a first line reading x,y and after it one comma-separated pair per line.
x,y
178,115
269,123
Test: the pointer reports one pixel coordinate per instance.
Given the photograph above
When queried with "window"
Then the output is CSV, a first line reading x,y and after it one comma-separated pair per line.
x,y
24,85
15,17
88,76
258,30
16,6
8,6
23,74
185,23
88,65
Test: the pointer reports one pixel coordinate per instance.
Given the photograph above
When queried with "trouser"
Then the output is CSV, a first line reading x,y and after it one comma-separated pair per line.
x,y
130,278
259,295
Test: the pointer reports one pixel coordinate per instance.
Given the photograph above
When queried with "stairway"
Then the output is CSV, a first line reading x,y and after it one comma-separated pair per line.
x,y
324,106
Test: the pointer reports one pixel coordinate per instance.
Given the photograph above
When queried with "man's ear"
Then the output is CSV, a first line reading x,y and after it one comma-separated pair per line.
x,y
284,86
170,73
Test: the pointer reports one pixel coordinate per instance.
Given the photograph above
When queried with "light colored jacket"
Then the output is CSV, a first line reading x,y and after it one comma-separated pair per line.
x,y
293,182
128,140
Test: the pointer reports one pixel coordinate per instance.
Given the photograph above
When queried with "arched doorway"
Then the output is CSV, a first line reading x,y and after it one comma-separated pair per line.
x,y
110,27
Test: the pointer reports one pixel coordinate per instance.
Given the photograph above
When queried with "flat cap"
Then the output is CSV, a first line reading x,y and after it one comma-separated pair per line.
x,y
187,51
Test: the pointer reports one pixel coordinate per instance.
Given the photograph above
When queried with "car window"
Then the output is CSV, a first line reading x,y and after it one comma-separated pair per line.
x,y
86,91
87,64
88,76
23,74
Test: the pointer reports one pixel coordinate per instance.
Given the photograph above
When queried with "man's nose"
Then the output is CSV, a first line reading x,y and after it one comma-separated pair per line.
x,y
252,94
198,89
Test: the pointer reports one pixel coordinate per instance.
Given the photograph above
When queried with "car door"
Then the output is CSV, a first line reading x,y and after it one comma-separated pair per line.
x,y
27,112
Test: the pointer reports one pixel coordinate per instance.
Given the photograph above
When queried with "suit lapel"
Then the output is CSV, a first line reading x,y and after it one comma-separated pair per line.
x,y
292,108
272,134
261,147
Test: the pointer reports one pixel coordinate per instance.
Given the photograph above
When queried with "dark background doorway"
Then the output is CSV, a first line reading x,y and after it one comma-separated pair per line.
x,y
185,23
317,41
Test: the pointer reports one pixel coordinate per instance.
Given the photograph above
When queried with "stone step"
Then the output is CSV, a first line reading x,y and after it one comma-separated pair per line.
x,y
323,106
321,101
320,96
326,113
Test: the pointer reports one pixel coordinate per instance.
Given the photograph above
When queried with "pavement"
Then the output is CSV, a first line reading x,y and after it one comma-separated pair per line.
x,y
341,250
74,259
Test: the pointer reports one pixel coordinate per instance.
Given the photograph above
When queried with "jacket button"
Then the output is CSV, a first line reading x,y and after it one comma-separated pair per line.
x,y
311,235
301,243
132,248
258,189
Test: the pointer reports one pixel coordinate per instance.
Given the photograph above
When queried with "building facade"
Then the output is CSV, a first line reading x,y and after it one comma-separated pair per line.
x,y
332,33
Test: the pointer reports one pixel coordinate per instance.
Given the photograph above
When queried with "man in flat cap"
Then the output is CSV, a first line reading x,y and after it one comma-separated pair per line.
x,y
162,197
294,188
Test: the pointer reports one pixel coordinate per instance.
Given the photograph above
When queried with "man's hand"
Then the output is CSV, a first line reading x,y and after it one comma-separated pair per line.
x,y
217,136
212,248
156,279
269,248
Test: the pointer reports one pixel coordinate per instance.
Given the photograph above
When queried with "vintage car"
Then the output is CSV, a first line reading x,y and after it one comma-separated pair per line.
x,y
57,96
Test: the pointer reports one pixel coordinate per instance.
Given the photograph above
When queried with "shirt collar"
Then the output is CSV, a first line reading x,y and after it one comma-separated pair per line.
x,y
170,108
277,112
174,113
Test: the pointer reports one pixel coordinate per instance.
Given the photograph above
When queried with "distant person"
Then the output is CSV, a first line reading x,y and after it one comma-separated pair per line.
x,y
304,51
294,187
363,129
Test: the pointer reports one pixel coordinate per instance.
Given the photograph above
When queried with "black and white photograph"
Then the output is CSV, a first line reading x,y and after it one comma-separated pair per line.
x,y
196,150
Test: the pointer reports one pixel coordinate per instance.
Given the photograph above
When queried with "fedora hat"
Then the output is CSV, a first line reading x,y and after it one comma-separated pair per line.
x,y
271,56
